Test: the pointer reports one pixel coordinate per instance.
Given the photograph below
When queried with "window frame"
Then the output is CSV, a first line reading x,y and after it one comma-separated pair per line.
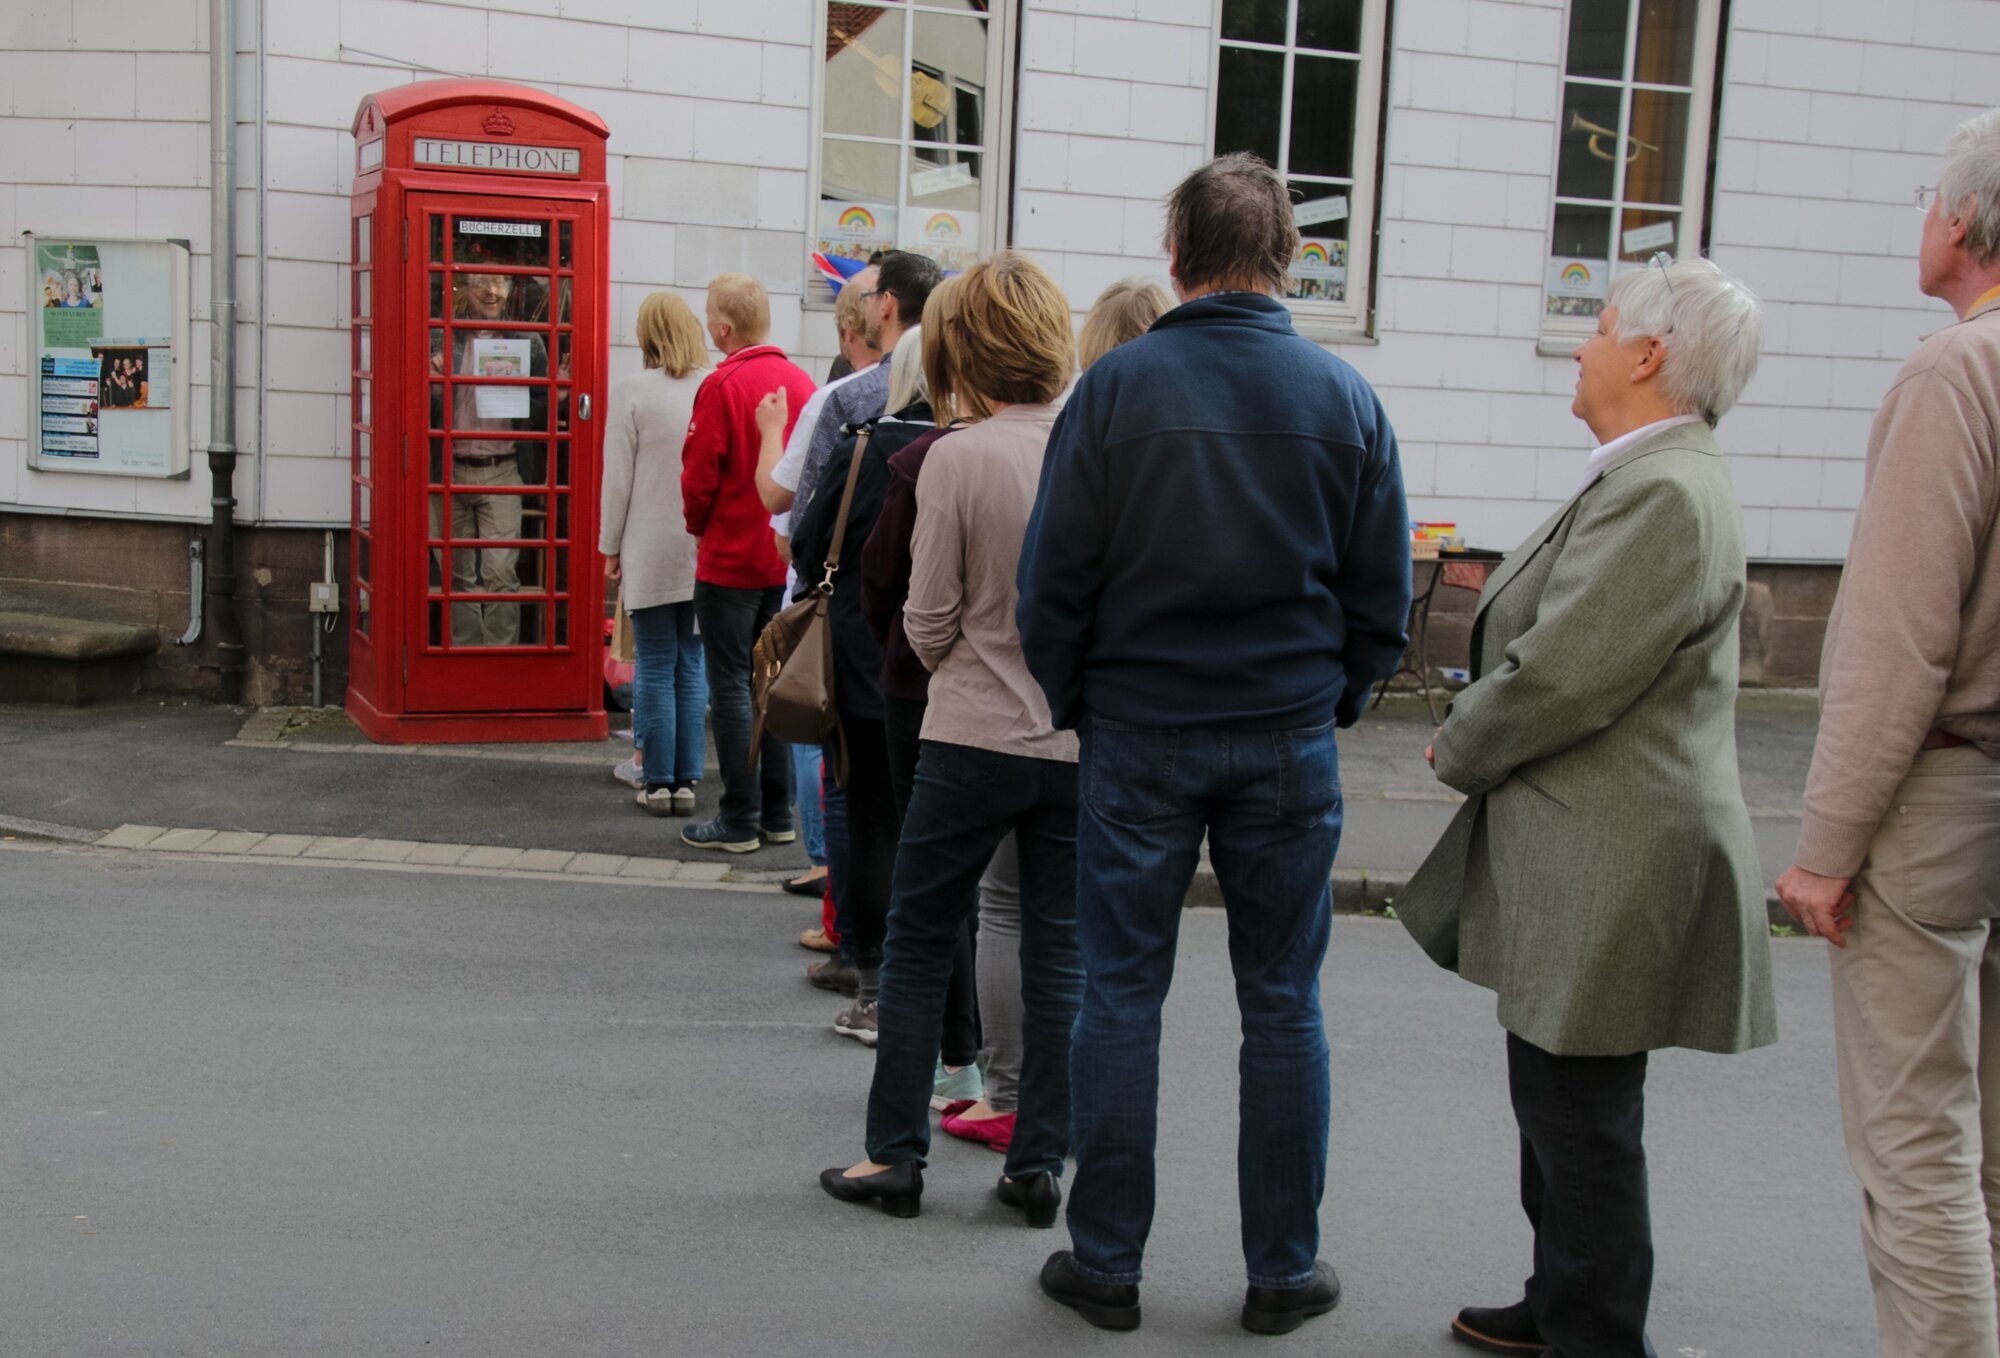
x,y
996,151
1561,335
1353,318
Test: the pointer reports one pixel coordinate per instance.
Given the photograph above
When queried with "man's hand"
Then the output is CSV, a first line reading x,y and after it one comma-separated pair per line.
x,y
772,412
1824,905
611,571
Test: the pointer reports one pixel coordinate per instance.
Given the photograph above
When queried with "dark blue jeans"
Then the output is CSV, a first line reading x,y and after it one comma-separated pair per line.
x,y
731,621
669,694
963,804
1269,803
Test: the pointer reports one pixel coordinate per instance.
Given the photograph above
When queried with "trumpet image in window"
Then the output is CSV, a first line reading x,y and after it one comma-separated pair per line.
x,y
1599,135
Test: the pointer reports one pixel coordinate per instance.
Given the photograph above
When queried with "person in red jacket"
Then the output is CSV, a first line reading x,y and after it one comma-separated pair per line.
x,y
739,579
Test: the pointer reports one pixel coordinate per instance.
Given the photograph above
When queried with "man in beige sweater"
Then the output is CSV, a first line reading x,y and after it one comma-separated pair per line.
x,y
1899,859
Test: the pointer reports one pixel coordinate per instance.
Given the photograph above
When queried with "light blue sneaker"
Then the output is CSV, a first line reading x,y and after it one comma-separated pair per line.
x,y
956,1086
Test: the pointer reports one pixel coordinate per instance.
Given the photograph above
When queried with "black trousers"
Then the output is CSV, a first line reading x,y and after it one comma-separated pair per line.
x,y
1583,1186
962,1037
872,827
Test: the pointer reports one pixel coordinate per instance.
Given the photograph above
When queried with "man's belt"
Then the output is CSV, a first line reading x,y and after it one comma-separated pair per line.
x,y
493,461
1936,739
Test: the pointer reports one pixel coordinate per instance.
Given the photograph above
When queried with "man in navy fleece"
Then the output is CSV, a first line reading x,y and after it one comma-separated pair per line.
x,y
1216,573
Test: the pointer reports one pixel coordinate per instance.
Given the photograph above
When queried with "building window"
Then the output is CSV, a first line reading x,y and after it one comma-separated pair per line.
x,y
1299,82
910,123
1632,150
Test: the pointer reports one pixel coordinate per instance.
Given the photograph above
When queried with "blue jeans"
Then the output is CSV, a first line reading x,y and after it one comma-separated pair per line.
x,y
805,786
963,804
1269,803
731,621
669,694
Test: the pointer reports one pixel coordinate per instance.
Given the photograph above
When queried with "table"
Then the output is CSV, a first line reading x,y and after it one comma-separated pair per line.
x,y
1454,568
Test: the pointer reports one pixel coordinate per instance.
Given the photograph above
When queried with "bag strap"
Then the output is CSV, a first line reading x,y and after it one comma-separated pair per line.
x,y
846,501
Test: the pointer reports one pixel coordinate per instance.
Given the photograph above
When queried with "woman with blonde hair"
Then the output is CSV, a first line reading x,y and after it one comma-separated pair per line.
x,y
648,551
1122,312
991,760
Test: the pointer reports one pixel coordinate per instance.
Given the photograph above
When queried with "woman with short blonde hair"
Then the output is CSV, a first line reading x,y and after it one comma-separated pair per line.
x,y
1122,312
647,550
991,760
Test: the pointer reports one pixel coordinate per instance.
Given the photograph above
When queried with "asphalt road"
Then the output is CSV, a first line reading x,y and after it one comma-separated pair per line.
x,y
254,1108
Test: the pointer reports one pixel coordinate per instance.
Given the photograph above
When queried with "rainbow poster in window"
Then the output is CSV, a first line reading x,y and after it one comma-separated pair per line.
x,y
856,230
1575,287
949,237
1319,271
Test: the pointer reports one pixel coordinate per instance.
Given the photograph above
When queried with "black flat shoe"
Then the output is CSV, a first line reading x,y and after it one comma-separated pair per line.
x,y
1280,1310
1040,1194
1499,1329
899,1188
1108,1306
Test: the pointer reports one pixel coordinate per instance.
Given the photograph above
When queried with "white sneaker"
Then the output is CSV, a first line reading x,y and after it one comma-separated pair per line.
x,y
628,773
683,800
660,801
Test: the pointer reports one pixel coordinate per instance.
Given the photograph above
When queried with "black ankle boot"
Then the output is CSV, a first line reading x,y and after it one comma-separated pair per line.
x,y
899,1188
1499,1329
1039,1193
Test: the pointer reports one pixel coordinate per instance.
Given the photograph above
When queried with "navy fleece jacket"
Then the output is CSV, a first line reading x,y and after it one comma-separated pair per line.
x,y
1220,538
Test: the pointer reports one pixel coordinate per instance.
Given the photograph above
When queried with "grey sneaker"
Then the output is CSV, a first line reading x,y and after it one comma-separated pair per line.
x,y
858,1022
628,773
778,836
953,1086
713,834
660,801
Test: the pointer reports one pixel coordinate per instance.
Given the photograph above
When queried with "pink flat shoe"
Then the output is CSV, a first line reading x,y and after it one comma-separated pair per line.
x,y
955,1107
995,1133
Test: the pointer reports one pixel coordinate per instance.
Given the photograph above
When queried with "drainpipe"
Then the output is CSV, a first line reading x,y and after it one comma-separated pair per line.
x,y
222,356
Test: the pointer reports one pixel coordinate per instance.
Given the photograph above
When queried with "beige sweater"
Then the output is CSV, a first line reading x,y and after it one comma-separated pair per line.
x,y
645,419
974,496
1914,640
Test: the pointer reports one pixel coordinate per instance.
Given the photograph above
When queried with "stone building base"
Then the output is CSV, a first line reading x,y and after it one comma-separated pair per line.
x,y
128,571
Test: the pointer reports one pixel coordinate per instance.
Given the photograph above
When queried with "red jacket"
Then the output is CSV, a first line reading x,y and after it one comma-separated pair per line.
x,y
719,468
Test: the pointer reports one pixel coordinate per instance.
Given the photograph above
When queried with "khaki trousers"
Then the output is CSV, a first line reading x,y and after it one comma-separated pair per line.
x,y
484,570
1916,1008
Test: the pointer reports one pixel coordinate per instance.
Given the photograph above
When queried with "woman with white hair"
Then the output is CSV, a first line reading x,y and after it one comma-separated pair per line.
x,y
1601,876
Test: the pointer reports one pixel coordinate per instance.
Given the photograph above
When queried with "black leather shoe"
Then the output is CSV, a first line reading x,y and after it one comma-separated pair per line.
x,y
1280,1310
1108,1306
1040,1194
899,1188
1499,1329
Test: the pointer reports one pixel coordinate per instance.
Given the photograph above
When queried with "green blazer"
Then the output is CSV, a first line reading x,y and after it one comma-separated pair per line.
x,y
1601,876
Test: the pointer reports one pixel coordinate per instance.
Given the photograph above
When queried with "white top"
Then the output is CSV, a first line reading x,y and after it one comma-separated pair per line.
x,y
1607,453
645,423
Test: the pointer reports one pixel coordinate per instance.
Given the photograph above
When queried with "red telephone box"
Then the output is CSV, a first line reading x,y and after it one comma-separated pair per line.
x,y
481,239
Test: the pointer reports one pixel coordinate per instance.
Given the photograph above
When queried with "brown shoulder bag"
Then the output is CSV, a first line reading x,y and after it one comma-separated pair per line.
x,y
791,667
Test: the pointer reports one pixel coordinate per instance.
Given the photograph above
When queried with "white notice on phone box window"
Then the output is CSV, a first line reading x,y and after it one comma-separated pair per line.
x,y
501,358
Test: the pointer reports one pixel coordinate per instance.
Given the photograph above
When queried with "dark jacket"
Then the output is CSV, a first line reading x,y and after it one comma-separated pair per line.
x,y
1220,537
857,655
885,573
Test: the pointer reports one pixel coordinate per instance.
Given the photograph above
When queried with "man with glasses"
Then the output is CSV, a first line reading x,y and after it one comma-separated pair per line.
x,y
903,283
1898,863
486,297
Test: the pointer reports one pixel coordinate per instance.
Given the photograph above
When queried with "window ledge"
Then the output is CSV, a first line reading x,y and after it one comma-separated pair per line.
x,y
1332,332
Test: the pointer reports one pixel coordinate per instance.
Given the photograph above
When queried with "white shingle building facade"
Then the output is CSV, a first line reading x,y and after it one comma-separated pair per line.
x,y
1468,172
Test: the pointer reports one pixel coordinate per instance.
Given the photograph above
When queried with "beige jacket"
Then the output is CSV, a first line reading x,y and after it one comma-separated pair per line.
x,y
645,420
1914,639
974,496
1602,877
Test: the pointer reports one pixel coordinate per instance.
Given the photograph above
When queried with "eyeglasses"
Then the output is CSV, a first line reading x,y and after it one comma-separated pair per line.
x,y
1663,259
1926,195
873,293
